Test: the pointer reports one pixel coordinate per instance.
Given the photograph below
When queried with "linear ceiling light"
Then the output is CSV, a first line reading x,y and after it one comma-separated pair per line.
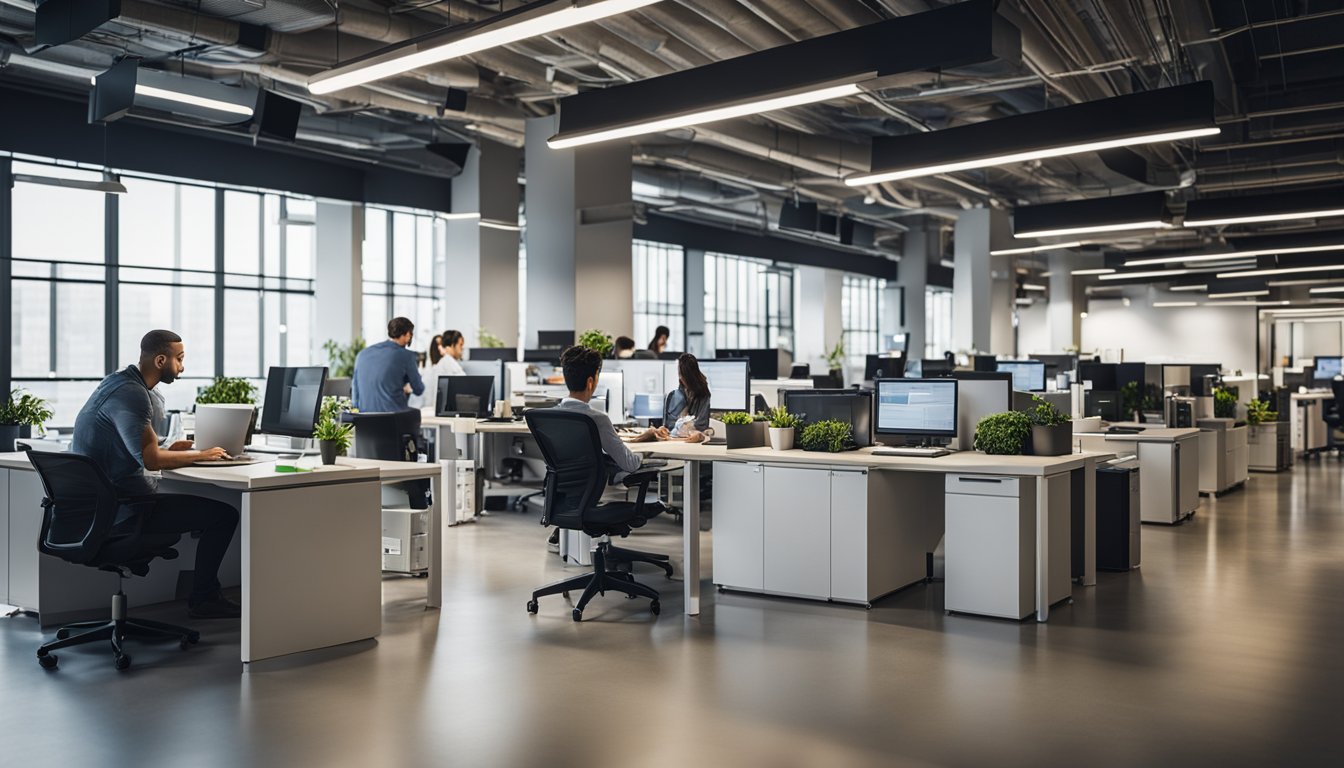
x,y
1035,249
1193,258
1331,289
819,69
504,225
1202,287
1282,271
1166,114
180,97
1255,209
1151,273
1175,303
522,23
1147,210
110,184
1097,271
1239,294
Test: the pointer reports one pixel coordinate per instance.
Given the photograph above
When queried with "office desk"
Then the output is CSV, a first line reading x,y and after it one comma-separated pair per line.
x,y
446,429
1307,420
1168,465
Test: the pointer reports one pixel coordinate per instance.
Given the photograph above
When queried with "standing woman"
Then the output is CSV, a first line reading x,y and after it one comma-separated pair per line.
x,y
425,363
660,337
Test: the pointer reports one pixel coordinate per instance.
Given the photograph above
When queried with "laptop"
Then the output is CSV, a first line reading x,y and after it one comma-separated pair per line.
x,y
224,427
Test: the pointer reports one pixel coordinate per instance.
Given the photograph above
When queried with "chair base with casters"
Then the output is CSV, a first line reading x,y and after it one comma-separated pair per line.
x,y
117,630
599,581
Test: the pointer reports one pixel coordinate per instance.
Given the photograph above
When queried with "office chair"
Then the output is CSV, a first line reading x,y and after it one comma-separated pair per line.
x,y
392,436
800,371
1334,414
576,476
78,515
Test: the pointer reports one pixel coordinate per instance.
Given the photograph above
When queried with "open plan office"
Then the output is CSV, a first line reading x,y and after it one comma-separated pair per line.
x,y
671,382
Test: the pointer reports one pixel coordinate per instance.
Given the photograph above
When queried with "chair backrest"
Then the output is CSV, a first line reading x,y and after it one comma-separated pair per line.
x,y
80,507
1337,386
387,436
576,475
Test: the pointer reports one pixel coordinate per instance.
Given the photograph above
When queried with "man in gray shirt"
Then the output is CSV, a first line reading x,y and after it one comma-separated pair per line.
x,y
582,366
386,372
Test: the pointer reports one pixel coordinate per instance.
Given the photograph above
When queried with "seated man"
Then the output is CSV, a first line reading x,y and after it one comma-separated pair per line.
x,y
582,366
114,430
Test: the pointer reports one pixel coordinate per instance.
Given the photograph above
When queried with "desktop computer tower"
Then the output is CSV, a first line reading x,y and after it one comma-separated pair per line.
x,y
1118,524
405,546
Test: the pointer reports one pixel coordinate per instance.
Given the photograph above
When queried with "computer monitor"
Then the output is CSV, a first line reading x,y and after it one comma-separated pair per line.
x,y
336,388
465,396
507,354
1104,376
492,368
729,384
979,394
1028,375
852,406
611,391
984,363
1057,364
935,367
668,355
293,397
916,407
547,355
557,340
883,367
761,363
1326,368
1127,372
1203,379
895,342
647,406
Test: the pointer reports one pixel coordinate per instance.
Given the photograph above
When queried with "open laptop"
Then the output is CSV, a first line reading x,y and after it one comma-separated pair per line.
x,y
225,428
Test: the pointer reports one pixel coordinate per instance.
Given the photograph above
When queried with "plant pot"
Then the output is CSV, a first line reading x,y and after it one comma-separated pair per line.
x,y
745,435
781,439
1052,441
8,434
329,450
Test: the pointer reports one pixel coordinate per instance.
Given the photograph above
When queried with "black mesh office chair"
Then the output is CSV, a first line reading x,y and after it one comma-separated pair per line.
x,y
78,515
576,477
1334,414
393,436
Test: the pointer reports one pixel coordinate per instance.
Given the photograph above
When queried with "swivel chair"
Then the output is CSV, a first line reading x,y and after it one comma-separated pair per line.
x,y
1334,415
576,477
78,518
393,436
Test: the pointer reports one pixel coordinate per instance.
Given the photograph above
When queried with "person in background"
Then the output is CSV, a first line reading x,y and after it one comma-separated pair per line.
x,y
686,412
425,362
435,350
385,373
660,336
114,429
625,348
452,348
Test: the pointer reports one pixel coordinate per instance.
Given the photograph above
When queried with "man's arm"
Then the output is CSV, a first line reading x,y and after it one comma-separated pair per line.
x,y
613,446
156,458
413,375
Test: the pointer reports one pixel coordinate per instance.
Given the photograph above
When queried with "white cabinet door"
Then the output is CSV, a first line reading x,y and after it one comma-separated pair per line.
x,y
4,535
849,536
25,523
991,556
739,525
797,531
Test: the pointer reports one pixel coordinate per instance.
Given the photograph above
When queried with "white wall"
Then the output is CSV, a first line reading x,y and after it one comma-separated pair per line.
x,y
1033,330
1201,334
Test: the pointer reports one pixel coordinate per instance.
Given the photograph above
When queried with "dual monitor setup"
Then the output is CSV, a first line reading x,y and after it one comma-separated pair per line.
x,y
918,410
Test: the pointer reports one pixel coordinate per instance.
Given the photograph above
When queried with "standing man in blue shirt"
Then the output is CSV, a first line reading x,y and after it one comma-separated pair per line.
x,y
386,372
114,429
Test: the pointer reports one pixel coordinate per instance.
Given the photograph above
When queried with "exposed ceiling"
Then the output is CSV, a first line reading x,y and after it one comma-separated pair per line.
x,y
1277,67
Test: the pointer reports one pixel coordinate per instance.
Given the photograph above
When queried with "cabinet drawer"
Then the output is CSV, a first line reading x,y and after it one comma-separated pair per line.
x,y
981,485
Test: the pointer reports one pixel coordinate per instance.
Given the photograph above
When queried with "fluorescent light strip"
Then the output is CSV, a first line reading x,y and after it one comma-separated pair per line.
x,y
566,15
1188,288
1126,227
1239,294
460,216
1035,249
1332,289
150,92
1313,281
1098,271
1032,287
708,116
1034,154
1282,271
1229,303
1233,255
504,225
1152,273
1175,303
1263,218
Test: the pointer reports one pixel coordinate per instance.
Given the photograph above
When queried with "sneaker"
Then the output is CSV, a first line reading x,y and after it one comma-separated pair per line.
x,y
553,543
217,606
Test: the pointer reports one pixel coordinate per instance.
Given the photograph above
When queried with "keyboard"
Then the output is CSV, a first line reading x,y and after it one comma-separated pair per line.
x,y
924,453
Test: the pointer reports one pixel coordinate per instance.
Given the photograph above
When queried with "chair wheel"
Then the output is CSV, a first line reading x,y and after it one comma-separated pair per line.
x,y
193,637
48,661
532,606
655,607
578,615
121,661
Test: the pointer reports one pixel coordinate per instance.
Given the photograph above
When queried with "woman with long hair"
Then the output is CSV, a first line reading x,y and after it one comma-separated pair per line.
x,y
686,410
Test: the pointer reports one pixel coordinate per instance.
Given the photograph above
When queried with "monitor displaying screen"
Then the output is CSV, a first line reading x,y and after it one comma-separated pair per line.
x,y
761,363
917,407
465,396
729,384
883,367
647,406
1028,375
555,340
895,342
507,354
1104,376
293,396
1327,368
852,406
934,367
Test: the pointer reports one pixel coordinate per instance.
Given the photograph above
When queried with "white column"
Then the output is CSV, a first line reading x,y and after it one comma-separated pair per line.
x,y
920,245
983,285
696,343
1063,313
338,290
482,252
818,319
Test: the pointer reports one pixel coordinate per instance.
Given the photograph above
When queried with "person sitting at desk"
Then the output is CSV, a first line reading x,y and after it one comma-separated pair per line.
x,y
452,346
581,367
686,409
114,430
625,348
660,336
386,373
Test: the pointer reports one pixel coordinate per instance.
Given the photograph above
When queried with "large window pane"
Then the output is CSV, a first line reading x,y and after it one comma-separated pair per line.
x,y
65,398
56,224
375,245
196,227
748,303
300,251
659,297
242,333
300,344
375,318
188,312
403,248
79,329
242,233
31,318
147,213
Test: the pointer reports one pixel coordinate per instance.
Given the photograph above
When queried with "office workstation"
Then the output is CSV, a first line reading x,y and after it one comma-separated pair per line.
x,y
384,380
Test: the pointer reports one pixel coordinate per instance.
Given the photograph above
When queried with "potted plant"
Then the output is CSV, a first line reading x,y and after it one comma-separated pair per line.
x,y
19,414
783,426
1131,400
597,341
1224,404
830,436
1262,437
1003,434
341,357
740,430
332,436
1153,408
1051,429
835,361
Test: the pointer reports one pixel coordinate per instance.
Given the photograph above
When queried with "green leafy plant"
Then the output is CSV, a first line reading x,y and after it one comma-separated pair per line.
x,y
780,418
835,359
485,338
1224,404
830,435
736,418
225,391
1043,414
760,416
1131,398
597,341
1257,413
331,430
332,407
1002,434
1152,398
24,409
341,357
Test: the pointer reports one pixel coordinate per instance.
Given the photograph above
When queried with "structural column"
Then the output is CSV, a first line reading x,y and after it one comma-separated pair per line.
x,y
481,248
983,286
904,310
1067,299
819,319
339,289
694,302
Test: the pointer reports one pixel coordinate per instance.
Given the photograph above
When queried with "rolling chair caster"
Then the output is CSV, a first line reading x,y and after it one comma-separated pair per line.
x,y
655,608
578,615
48,661
121,661
532,607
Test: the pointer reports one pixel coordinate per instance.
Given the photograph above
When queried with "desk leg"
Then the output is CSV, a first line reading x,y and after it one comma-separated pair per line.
x,y
444,490
1090,523
1042,548
690,523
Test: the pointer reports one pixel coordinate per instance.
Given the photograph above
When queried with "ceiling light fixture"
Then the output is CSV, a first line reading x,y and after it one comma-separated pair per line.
x,y
1151,273
1255,209
1331,289
1147,210
1239,294
1166,114
1203,287
1282,271
460,216
522,23
1190,259
1165,304
833,66
1035,249
1032,287
1097,271
504,225
179,97
109,185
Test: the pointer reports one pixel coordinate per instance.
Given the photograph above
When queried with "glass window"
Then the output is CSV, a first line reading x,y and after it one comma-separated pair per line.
x,y
861,313
748,303
43,218
242,235
242,333
660,294
407,284
937,322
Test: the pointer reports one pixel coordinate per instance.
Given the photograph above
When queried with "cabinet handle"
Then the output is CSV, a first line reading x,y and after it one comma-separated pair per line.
x,y
994,480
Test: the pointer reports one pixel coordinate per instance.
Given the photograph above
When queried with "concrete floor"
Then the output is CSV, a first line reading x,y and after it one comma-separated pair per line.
x,y
1226,648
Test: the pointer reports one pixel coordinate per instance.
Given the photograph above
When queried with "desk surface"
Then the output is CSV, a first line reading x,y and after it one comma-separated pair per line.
x,y
1148,435
957,461
262,475
1312,396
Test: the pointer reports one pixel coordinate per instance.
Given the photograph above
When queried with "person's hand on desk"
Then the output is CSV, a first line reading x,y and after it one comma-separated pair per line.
x,y
212,454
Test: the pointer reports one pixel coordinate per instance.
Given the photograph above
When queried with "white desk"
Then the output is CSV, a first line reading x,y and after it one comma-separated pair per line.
x,y
1168,466
1307,419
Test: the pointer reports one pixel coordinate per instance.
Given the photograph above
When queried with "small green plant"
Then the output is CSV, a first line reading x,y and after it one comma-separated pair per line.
x,y
597,341
736,418
1002,434
830,435
24,409
780,418
1224,404
1043,414
1131,398
485,338
835,359
1152,398
330,430
341,357
227,391
1257,413
760,416
332,407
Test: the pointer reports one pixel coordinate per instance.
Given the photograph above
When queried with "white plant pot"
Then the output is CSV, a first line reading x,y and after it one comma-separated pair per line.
x,y
781,439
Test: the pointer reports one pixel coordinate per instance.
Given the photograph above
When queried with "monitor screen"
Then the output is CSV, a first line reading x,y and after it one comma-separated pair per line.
x,y
917,407
761,363
293,396
465,396
1028,375
507,354
849,405
895,342
1327,368
647,406
883,367
556,340
934,367
1104,376
493,368
728,384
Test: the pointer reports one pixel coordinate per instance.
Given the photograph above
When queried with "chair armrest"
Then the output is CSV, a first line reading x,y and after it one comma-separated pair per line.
x,y
640,478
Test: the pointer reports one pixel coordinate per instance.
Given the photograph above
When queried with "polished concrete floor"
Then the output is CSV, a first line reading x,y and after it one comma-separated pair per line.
x,y
1225,648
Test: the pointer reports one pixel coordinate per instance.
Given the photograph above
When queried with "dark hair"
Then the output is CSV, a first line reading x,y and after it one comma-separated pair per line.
x,y
398,327
660,332
624,343
157,343
450,338
697,386
434,355
579,364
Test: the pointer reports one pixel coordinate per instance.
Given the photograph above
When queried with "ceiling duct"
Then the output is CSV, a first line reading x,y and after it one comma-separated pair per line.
x,y
279,15
62,21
